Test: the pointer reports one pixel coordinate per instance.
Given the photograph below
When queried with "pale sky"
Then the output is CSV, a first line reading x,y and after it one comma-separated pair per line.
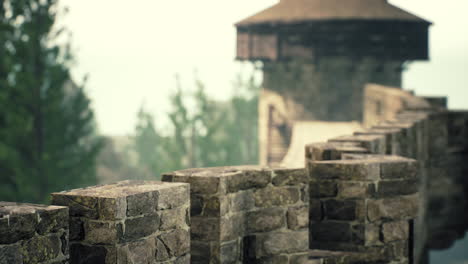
x,y
133,49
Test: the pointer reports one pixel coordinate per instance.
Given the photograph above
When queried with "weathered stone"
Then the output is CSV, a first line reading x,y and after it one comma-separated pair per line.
x,y
52,220
76,229
242,201
373,143
141,251
79,206
365,234
173,197
41,248
196,205
98,232
229,252
315,210
345,209
265,220
112,208
276,196
348,189
232,227
279,259
393,231
248,179
212,206
204,228
330,231
142,203
17,227
83,254
323,189
139,227
161,251
404,207
174,218
345,170
400,168
277,243
298,217
394,188
200,252
398,250
289,177
177,242
20,221
10,254
185,259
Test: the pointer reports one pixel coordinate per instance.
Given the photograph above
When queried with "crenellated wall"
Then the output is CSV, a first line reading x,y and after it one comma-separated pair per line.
x,y
386,194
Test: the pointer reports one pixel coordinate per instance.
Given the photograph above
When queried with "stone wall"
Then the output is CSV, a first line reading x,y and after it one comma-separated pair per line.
x,y
247,214
128,222
387,194
31,233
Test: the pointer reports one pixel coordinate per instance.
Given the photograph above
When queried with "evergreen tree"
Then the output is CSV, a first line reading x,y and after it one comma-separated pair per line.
x,y
211,133
47,131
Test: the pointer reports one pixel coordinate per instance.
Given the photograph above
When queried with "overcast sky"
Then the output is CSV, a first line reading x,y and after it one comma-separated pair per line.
x,y
133,49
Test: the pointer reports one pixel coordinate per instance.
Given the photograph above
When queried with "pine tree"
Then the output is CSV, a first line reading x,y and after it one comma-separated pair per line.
x,y
47,130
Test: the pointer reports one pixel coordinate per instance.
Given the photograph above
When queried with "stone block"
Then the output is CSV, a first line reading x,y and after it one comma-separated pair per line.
x,y
252,178
393,231
276,196
174,219
331,150
395,188
348,210
205,229
345,170
177,242
129,222
373,143
229,252
315,210
403,207
265,220
323,188
41,248
242,201
31,233
289,177
232,227
331,231
298,217
276,243
357,190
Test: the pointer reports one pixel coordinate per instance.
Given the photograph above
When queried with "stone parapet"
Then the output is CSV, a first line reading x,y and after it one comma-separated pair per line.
x,y
128,222
249,213
31,233
364,203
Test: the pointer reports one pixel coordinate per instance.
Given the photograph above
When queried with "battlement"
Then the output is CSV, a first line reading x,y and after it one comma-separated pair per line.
x,y
378,196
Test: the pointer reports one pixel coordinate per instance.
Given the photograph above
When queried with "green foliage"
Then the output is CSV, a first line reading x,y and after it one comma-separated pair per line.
x,y
47,131
210,133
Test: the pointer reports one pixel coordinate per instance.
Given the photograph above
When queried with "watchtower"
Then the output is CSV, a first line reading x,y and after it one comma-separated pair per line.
x,y
317,56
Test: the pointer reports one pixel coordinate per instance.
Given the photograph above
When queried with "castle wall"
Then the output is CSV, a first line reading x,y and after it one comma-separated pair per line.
x,y
129,222
31,233
387,194
247,214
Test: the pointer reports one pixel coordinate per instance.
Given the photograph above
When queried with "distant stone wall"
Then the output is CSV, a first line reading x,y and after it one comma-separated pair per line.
x,y
247,214
387,194
409,126
31,233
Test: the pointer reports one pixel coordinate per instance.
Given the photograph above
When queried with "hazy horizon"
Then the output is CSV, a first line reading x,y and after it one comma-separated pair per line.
x,y
132,51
